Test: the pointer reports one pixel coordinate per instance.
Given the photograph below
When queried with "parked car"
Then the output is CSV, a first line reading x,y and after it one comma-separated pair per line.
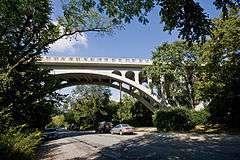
x,y
104,127
122,129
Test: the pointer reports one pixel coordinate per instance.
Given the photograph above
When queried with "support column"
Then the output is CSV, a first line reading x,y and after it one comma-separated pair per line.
x,y
136,76
123,73
149,80
150,85
120,89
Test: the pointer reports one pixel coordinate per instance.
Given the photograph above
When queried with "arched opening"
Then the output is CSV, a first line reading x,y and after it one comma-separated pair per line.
x,y
111,80
115,83
142,78
77,119
117,72
130,75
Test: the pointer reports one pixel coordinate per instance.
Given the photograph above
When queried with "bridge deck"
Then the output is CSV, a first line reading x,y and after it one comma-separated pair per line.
x,y
95,61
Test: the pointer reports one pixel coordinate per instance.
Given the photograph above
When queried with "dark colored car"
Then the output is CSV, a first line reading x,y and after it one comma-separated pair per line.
x,y
104,127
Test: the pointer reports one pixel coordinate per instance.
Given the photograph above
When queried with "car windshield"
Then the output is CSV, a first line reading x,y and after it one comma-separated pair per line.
x,y
125,125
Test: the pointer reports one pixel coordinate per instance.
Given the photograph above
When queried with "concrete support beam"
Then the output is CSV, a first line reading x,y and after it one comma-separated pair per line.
x,y
149,80
123,73
136,76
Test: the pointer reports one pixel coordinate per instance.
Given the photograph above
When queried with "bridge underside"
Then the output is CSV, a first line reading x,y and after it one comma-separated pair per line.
x,y
114,81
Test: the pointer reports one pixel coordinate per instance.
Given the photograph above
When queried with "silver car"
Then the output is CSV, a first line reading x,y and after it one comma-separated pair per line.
x,y
122,129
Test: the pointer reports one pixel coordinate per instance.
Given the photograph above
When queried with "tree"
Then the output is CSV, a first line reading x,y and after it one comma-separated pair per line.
x,y
124,114
90,105
26,89
187,16
221,75
141,115
58,121
174,72
133,112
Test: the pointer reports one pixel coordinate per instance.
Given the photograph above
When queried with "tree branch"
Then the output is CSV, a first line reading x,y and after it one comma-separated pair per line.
x,y
26,57
97,29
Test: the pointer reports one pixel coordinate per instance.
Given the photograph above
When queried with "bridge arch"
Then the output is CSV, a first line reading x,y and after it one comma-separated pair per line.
x,y
81,77
142,78
138,97
130,75
117,72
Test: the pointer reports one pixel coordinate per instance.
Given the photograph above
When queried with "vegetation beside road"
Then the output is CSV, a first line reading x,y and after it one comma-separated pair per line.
x,y
179,119
207,75
16,144
89,105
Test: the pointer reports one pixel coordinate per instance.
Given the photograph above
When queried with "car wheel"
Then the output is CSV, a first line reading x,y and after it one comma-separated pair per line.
x,y
121,133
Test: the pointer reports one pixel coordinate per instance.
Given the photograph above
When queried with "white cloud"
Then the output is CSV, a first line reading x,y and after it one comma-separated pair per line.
x,y
69,44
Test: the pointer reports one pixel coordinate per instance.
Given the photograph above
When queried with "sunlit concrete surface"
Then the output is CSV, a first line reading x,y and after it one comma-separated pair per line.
x,y
144,146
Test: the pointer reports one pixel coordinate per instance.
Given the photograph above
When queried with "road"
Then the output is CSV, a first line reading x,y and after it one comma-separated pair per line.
x,y
143,146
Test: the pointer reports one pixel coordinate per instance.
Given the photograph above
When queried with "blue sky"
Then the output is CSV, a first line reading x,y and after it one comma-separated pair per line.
x,y
136,40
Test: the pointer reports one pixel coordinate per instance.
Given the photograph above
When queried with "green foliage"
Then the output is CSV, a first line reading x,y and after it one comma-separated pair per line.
x,y
175,72
124,113
26,90
225,111
58,121
210,74
221,73
179,119
133,112
200,117
5,119
80,16
18,145
141,116
89,105
85,116
186,16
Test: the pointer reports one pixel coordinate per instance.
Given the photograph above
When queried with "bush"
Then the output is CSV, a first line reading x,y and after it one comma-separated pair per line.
x,y
17,145
226,111
179,119
200,117
58,121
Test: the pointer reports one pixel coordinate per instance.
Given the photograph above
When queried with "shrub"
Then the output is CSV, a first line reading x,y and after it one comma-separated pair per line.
x,y
17,145
179,119
58,121
173,119
226,111
200,117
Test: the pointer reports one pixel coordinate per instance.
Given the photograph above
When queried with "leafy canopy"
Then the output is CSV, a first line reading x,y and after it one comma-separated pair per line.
x,y
88,106
174,72
26,89
186,16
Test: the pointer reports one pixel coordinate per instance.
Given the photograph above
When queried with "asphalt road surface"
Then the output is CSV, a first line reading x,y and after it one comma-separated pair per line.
x,y
141,146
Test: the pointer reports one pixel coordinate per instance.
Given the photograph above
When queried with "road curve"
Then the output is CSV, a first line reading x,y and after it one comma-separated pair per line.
x,y
153,146
86,146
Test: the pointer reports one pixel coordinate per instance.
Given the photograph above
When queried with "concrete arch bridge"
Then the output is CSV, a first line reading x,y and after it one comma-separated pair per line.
x,y
124,74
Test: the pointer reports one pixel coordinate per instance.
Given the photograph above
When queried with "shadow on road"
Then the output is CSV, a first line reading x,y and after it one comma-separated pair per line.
x,y
47,136
175,146
164,146
48,150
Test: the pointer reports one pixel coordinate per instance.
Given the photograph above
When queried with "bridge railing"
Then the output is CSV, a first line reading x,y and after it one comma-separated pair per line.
x,y
96,60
